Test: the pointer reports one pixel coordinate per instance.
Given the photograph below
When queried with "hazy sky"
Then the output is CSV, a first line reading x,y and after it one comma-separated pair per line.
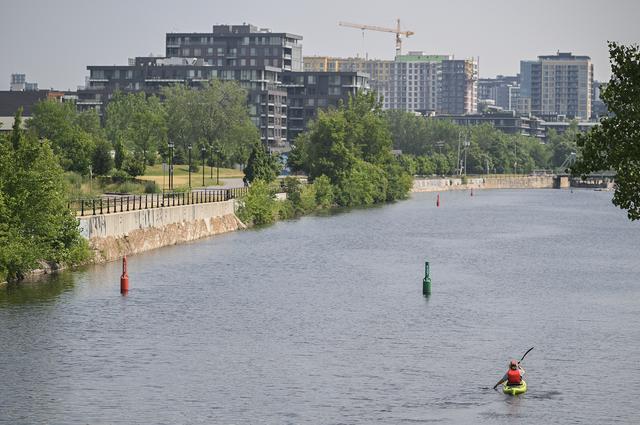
x,y
52,41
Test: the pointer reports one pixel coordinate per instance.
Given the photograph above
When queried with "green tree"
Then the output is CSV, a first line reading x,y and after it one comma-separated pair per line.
x,y
58,122
119,154
324,192
262,165
615,144
351,145
138,122
35,223
102,162
214,115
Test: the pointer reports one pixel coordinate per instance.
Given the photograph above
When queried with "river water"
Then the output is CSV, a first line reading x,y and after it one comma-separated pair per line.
x,y
321,320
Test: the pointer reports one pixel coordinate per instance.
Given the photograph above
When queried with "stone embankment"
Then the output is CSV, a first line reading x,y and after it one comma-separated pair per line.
x,y
506,182
111,236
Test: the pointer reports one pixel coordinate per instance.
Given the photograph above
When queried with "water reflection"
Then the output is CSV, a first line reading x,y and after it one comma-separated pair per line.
x,y
42,290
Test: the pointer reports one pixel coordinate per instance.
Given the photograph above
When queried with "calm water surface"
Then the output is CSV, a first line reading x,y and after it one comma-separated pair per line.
x,y
322,321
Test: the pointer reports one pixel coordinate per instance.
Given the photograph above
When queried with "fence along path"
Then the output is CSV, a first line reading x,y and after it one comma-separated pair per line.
x,y
122,203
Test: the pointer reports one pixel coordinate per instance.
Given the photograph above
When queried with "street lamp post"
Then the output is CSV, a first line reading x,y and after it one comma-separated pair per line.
x,y
170,166
210,161
466,148
217,165
189,166
204,150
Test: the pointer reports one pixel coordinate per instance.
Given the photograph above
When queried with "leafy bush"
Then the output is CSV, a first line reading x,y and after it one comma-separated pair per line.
x,y
307,199
133,166
151,187
286,210
259,205
324,191
365,184
120,176
399,181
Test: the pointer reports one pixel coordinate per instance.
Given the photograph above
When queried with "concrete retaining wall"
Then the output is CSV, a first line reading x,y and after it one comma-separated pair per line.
x,y
112,236
507,182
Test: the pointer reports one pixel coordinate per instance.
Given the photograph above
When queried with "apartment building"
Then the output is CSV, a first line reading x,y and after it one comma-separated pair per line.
x,y
254,57
502,92
231,46
559,84
310,91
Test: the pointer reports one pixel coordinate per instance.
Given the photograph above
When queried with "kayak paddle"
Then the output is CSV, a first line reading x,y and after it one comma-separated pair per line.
x,y
525,354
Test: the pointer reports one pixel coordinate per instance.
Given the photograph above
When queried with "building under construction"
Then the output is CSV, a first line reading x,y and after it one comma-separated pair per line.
x,y
413,82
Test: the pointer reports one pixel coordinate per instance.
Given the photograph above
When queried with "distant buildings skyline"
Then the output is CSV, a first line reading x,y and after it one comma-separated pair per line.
x,y
285,89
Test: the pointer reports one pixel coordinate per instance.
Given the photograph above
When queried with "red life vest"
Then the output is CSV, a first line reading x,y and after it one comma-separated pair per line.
x,y
513,376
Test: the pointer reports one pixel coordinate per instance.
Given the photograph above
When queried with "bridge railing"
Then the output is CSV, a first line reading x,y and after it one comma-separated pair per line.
x,y
123,203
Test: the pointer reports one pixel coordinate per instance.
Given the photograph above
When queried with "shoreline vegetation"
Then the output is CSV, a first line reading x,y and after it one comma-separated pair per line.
x,y
354,155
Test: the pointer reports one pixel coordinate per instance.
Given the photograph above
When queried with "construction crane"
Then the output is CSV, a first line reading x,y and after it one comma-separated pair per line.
x,y
396,31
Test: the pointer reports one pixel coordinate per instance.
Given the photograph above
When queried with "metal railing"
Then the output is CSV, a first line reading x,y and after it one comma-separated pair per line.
x,y
123,203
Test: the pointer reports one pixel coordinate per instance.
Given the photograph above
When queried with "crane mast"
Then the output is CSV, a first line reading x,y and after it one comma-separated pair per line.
x,y
397,31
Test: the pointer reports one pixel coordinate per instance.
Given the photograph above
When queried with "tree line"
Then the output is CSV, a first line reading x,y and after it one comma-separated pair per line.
x,y
138,128
433,146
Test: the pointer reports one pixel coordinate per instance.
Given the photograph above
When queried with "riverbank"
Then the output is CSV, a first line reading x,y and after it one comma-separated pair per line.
x,y
112,236
500,182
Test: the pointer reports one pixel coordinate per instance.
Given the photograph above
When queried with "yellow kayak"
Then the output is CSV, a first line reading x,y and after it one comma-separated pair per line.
x,y
515,389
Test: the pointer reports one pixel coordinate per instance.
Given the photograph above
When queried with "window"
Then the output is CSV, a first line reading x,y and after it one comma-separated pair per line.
x,y
252,62
129,74
210,51
186,52
197,51
252,51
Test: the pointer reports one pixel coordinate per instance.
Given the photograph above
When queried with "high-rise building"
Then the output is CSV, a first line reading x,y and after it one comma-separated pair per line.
x,y
557,85
458,89
414,82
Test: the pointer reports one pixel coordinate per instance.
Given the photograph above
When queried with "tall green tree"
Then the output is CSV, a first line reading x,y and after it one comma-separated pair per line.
x,y
215,115
59,123
101,160
351,145
262,165
35,223
615,144
138,122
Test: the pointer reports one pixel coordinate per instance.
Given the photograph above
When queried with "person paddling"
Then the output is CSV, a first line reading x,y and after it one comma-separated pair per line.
x,y
513,376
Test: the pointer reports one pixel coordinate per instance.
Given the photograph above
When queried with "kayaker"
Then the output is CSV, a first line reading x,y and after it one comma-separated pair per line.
x,y
513,376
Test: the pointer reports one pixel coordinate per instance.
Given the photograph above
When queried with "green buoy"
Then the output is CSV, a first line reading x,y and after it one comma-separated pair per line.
x,y
426,282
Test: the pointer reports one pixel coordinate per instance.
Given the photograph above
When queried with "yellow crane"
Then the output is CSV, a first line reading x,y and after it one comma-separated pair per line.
x,y
396,31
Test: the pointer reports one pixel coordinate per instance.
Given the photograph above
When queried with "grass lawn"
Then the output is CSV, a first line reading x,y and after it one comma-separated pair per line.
x,y
181,176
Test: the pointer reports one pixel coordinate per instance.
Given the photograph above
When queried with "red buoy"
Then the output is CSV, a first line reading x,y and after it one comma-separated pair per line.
x,y
438,200
124,279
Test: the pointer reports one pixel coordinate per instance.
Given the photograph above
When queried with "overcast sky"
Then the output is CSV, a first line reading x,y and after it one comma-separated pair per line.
x,y
52,41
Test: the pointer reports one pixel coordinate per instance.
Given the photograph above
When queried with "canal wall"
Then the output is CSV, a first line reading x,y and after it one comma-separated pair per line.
x,y
111,236
501,182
